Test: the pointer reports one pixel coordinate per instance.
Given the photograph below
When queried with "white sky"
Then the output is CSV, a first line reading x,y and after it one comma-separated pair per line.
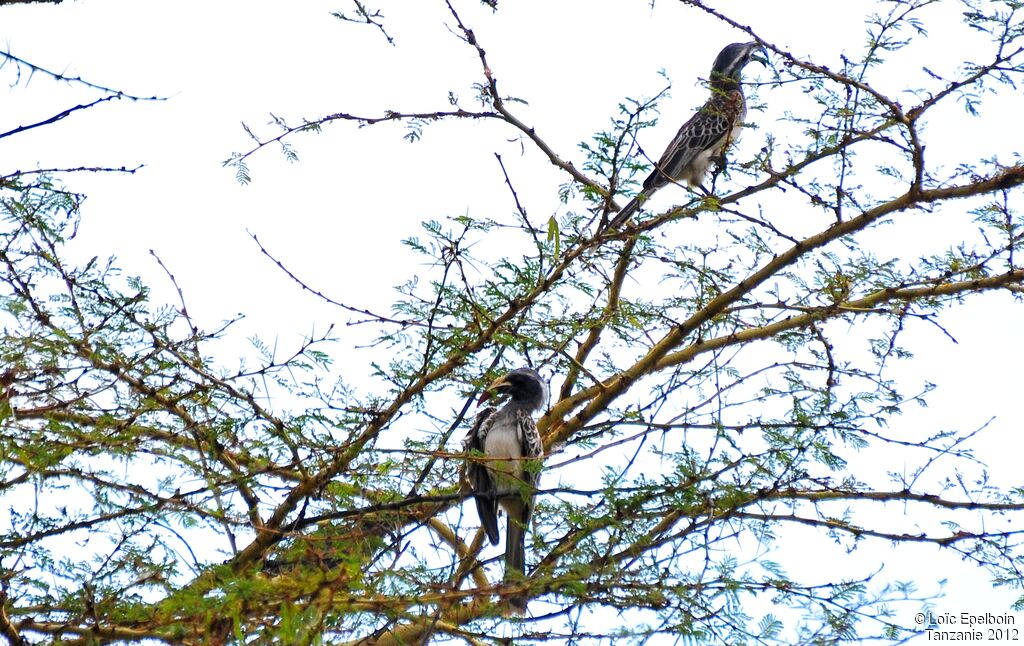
x,y
338,216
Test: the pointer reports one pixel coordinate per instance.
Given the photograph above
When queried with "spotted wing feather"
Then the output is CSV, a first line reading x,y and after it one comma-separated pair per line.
x,y
530,441
707,131
479,477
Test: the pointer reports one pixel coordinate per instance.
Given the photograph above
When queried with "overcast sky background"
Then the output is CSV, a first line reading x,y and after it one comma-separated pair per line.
x,y
337,217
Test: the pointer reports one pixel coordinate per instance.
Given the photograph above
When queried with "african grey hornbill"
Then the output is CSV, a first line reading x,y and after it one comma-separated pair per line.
x,y
708,132
508,440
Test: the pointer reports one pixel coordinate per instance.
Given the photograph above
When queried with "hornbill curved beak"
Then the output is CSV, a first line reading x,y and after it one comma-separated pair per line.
x,y
760,54
494,388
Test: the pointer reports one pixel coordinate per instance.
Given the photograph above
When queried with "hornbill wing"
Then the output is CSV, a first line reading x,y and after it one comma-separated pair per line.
x,y
479,477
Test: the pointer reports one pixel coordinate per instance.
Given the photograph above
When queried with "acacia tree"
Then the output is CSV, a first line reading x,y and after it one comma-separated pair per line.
x,y
691,423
